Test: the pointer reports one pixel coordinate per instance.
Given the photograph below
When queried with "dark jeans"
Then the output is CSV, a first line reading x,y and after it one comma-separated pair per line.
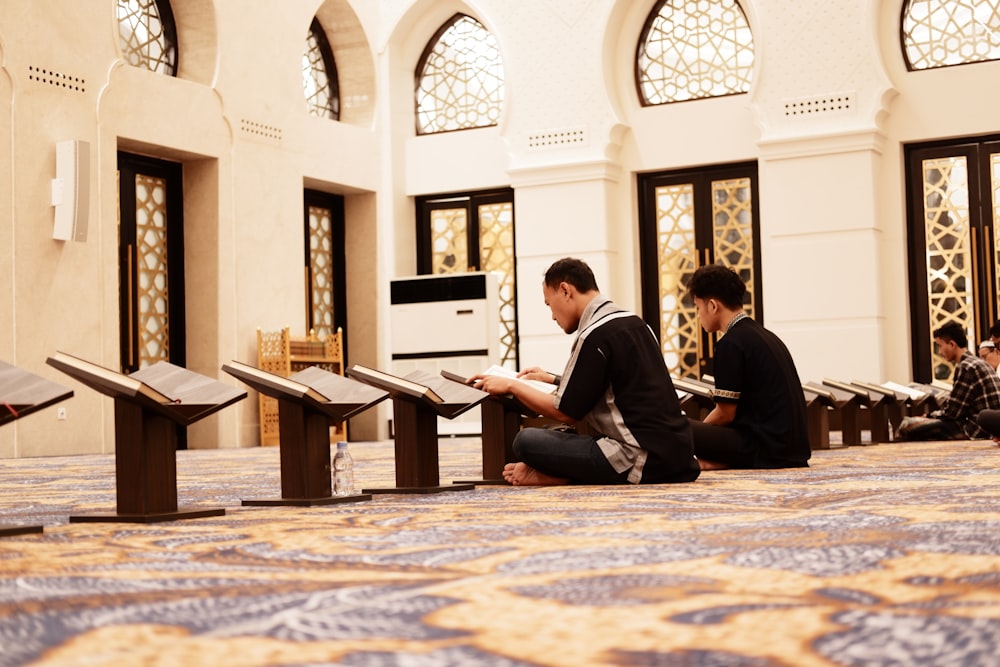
x,y
929,428
570,455
721,444
989,421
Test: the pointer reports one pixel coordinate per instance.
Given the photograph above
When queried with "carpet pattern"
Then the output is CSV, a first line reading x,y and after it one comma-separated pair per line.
x,y
877,555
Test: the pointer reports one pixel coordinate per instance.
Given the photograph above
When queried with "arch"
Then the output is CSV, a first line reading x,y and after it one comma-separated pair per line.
x,y
352,53
459,78
713,38
415,28
197,39
941,34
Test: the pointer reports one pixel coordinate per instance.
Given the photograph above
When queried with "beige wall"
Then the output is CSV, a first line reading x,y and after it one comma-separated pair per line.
x,y
831,186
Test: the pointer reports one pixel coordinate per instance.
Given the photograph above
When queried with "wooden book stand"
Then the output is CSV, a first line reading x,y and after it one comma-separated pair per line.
x,y
149,406
417,401
309,403
22,393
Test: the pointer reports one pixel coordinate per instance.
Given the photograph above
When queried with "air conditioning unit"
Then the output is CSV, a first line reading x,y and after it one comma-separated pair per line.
x,y
446,322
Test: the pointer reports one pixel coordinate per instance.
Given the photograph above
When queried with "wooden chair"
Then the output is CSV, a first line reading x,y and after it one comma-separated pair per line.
x,y
279,353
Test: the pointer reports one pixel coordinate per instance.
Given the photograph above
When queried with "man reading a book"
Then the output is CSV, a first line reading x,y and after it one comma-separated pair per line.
x,y
615,391
759,418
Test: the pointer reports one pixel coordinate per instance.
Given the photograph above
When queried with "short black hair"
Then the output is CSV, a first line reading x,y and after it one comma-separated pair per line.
x,y
714,281
954,332
572,271
995,330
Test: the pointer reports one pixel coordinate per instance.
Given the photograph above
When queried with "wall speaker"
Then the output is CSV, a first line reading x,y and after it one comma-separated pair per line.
x,y
71,190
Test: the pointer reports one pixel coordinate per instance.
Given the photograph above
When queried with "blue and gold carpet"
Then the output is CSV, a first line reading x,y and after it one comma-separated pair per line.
x,y
878,555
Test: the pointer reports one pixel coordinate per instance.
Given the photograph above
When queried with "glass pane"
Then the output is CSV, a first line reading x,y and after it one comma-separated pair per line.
x,y
496,250
318,84
145,39
695,49
449,241
937,34
949,261
732,215
151,253
680,331
995,208
460,83
321,270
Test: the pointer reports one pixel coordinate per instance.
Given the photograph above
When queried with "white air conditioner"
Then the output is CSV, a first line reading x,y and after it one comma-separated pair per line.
x,y
446,322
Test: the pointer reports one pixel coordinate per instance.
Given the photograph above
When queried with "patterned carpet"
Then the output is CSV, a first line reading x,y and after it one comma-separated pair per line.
x,y
878,555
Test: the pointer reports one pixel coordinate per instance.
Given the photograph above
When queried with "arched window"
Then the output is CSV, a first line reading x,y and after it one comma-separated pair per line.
x,y
148,35
459,78
938,34
319,75
693,49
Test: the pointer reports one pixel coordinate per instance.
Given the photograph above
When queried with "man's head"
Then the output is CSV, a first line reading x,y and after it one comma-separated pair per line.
x,y
951,342
988,352
569,285
718,293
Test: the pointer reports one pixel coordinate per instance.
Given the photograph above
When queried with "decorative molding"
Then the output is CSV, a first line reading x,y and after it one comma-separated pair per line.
x,y
573,172
849,141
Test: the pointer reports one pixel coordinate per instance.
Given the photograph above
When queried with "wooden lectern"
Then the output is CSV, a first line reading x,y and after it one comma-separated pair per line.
x,y
417,401
149,406
502,418
875,408
309,403
846,406
22,393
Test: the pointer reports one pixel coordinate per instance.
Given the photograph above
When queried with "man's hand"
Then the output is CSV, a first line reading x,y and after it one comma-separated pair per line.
x,y
492,384
536,373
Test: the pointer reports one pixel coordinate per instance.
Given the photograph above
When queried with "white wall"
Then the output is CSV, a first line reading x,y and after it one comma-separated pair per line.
x,y
831,185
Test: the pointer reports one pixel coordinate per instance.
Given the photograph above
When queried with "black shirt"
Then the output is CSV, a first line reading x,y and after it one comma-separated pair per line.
x,y
617,387
754,369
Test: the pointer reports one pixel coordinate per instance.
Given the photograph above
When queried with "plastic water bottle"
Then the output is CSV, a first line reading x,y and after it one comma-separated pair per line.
x,y
343,471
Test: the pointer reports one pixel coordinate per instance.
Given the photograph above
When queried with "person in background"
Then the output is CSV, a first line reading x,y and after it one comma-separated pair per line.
x,y
759,418
975,387
988,352
615,390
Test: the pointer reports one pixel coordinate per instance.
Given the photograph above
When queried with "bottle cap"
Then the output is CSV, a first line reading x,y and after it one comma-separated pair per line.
x,y
341,445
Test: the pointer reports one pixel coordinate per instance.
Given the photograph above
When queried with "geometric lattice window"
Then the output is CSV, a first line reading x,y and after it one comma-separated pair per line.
x,y
152,270
689,219
319,75
321,270
147,34
939,34
470,232
459,78
325,280
693,49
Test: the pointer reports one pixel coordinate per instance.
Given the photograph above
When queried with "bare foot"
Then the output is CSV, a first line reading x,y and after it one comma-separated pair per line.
x,y
521,474
711,465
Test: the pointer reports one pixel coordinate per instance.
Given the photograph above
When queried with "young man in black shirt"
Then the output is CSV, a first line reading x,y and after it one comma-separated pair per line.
x,y
615,390
759,418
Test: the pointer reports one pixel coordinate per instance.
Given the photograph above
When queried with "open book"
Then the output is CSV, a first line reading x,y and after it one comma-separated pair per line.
x,y
272,384
393,383
500,371
105,380
22,392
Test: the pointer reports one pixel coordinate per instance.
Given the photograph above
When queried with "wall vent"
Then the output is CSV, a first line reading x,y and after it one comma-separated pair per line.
x,y
822,105
253,129
57,79
561,138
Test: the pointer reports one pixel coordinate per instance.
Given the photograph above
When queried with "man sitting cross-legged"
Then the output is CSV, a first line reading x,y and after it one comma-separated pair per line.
x,y
615,390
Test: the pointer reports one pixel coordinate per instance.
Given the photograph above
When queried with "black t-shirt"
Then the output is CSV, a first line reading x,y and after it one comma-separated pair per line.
x,y
616,385
754,369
